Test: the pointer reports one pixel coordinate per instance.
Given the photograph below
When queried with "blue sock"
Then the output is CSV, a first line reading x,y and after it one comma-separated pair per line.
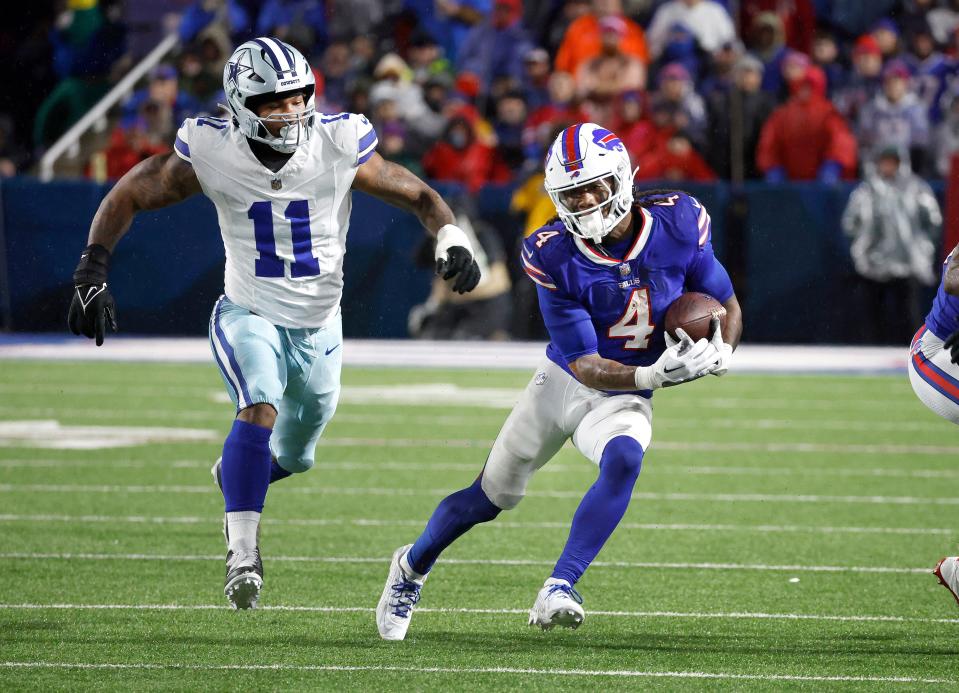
x,y
602,507
246,467
277,472
453,517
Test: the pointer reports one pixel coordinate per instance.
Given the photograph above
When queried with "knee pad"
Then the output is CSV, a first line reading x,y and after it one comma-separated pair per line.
x,y
500,497
622,458
295,465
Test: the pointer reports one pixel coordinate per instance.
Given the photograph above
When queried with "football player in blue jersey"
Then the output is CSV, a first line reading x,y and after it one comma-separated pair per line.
x,y
934,374
606,271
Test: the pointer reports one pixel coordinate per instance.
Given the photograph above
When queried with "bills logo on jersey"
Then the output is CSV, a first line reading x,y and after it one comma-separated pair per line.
x,y
607,140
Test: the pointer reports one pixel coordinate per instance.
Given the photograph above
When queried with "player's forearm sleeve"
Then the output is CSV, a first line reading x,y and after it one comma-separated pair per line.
x,y
570,327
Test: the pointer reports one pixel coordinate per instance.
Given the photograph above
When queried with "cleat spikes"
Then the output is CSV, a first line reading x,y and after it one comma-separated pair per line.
x,y
557,604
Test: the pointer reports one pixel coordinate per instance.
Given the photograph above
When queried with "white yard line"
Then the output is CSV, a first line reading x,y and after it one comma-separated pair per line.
x,y
224,414
732,615
24,555
457,398
657,445
626,673
500,524
393,491
551,468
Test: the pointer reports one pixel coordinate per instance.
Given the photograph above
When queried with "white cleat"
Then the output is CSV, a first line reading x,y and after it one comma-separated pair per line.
x,y
400,594
557,604
947,570
244,579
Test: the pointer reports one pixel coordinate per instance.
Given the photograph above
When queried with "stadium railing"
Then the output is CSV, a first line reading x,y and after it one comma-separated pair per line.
x,y
96,117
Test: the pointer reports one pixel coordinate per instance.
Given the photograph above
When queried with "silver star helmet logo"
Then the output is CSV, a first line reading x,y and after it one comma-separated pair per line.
x,y
242,66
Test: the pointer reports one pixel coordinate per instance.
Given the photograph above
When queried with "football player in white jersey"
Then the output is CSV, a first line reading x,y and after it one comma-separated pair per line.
x,y
280,176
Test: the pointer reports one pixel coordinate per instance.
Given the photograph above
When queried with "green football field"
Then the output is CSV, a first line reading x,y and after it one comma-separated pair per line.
x,y
781,537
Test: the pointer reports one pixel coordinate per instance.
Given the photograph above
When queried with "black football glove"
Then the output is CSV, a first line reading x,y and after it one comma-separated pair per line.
x,y
952,344
459,263
92,307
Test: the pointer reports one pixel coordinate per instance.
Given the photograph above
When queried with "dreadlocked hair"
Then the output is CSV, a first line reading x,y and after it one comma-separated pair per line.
x,y
645,198
642,198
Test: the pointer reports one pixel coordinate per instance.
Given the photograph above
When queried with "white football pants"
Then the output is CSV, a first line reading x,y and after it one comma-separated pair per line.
x,y
554,407
934,377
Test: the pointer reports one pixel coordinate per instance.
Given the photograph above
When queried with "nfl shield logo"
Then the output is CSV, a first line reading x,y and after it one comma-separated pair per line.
x,y
276,184
624,270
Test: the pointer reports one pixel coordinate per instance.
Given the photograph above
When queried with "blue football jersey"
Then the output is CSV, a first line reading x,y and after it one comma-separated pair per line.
x,y
616,306
943,319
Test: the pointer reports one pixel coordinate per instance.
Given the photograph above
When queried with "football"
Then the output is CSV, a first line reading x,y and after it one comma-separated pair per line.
x,y
693,312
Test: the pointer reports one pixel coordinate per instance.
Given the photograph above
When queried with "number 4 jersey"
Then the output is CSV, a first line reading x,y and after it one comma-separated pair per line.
x,y
284,232
613,301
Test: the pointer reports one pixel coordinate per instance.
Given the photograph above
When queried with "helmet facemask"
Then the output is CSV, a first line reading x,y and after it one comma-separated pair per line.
x,y
296,129
594,223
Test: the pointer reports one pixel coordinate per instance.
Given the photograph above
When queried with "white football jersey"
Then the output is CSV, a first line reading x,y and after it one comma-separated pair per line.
x,y
284,232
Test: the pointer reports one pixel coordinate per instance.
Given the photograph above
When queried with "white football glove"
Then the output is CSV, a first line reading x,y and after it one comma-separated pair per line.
x,y
682,361
725,350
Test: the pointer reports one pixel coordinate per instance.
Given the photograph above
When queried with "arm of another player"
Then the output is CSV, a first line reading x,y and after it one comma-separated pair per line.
x,y
160,181
399,187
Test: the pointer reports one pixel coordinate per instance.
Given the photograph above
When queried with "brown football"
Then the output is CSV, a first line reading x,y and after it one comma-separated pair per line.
x,y
693,312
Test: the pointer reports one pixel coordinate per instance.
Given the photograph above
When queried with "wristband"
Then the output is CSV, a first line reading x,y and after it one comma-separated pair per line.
x,y
449,236
93,266
644,377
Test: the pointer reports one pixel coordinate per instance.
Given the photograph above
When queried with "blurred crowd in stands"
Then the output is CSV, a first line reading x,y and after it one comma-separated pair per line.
x,y
472,91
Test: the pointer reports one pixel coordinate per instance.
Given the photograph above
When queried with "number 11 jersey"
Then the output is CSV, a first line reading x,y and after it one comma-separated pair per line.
x,y
284,232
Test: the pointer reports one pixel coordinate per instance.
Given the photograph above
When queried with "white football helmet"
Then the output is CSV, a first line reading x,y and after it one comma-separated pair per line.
x,y
585,153
259,69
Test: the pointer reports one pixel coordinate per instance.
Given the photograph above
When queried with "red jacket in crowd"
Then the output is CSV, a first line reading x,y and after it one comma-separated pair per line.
x,y
673,158
470,162
806,132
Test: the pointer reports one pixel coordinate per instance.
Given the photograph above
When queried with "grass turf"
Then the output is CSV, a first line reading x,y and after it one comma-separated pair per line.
x,y
781,538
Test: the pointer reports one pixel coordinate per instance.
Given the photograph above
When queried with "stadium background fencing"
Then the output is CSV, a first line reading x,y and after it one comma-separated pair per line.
x,y
782,244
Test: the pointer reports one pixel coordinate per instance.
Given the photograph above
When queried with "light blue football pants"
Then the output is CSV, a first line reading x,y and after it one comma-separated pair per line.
x,y
295,370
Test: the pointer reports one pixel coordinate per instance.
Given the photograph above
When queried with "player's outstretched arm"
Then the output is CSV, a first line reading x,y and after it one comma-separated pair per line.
x,y
159,181
399,187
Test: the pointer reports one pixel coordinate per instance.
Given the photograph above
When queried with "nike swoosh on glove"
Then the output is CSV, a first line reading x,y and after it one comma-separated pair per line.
x,y
92,307
680,363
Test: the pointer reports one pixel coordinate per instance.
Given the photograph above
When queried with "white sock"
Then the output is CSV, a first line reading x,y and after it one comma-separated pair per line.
x,y
408,569
241,527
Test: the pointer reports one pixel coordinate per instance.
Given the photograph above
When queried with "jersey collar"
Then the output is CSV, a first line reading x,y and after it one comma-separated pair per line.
x,y
641,238
290,168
